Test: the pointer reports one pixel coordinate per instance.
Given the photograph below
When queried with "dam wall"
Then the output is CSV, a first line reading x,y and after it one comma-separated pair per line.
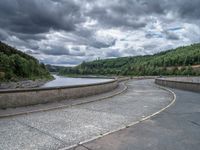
x,y
33,96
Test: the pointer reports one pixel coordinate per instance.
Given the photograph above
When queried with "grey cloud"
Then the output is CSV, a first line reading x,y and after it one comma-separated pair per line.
x,y
131,14
38,16
27,37
33,46
55,50
113,53
135,14
62,60
76,51
101,44
153,35
164,34
117,16
31,52
172,36
78,54
137,52
47,27
76,48
3,35
89,38
175,29
187,9
61,51
149,46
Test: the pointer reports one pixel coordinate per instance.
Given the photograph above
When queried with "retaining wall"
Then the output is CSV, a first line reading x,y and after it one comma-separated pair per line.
x,y
190,86
25,97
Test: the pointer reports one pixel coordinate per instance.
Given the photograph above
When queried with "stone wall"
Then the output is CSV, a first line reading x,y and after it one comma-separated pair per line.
x,y
25,97
190,86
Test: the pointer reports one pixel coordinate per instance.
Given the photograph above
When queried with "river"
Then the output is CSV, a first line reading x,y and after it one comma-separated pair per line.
x,y
66,81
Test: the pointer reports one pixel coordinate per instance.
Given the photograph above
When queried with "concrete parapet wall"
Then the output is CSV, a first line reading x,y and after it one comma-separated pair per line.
x,y
189,86
136,77
123,79
25,97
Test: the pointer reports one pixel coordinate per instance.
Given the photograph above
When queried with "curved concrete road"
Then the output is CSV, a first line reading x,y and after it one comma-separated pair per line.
x,y
177,128
62,128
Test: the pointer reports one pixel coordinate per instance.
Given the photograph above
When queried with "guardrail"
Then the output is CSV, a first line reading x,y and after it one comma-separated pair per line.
x,y
25,97
184,85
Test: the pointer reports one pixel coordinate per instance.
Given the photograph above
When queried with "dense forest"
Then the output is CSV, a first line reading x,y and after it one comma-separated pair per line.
x,y
179,61
53,68
15,65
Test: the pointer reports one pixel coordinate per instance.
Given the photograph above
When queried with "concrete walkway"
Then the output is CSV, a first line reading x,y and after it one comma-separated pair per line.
x,y
177,128
66,127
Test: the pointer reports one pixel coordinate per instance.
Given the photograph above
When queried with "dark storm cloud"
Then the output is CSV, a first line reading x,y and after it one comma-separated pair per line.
x,y
31,52
38,16
27,37
172,36
101,44
117,15
61,51
3,35
126,13
187,9
89,38
56,50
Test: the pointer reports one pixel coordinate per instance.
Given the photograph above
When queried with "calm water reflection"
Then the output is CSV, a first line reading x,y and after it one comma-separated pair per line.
x,y
64,81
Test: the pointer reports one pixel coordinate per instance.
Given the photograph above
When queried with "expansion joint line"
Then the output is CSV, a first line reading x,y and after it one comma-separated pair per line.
x,y
85,147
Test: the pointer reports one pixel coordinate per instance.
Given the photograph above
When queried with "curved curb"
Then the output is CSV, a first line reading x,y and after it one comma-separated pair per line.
x,y
178,84
129,125
66,106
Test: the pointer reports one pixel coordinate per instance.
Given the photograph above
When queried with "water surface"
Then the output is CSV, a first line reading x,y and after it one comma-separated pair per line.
x,y
65,81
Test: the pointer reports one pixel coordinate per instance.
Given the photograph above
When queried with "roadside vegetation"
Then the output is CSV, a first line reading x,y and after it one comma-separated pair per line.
x,y
180,61
16,65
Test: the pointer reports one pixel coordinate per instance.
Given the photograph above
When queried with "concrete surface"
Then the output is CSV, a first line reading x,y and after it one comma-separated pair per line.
x,y
184,79
62,128
177,128
27,97
184,83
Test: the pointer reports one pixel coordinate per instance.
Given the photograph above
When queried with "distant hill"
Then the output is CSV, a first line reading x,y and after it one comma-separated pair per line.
x,y
15,65
53,68
179,61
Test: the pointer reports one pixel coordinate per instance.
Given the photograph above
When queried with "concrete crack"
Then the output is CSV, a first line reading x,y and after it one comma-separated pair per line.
x,y
195,123
85,147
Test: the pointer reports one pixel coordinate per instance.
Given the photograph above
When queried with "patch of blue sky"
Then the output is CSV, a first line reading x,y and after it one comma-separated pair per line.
x,y
154,35
175,28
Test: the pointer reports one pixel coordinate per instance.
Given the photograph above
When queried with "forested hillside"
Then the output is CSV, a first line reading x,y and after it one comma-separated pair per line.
x,y
54,69
15,65
177,61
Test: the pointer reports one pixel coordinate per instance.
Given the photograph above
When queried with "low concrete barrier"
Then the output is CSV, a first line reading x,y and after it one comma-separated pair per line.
x,y
123,79
136,77
25,97
190,86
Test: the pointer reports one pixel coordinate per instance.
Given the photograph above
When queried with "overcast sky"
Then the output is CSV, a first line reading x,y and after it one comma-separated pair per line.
x,y
67,32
